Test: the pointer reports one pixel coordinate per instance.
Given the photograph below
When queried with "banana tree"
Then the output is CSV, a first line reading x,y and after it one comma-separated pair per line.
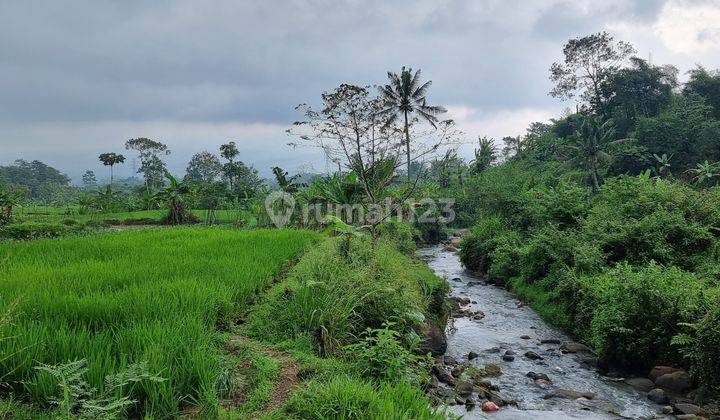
x,y
705,172
10,197
176,195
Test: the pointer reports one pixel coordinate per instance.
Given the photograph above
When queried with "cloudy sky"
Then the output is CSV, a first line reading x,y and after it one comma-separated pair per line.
x,y
78,78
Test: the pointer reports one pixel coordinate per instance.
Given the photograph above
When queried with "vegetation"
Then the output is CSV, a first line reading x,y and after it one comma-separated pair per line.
x,y
153,296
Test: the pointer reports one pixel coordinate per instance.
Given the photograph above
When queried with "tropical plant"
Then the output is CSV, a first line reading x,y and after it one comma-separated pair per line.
x,y
111,159
176,196
285,182
589,147
10,197
485,155
662,164
705,172
404,97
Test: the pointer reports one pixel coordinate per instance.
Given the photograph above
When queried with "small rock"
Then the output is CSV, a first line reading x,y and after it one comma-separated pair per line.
x,y
449,248
667,410
687,417
443,375
491,370
474,302
510,352
457,371
699,396
535,376
658,396
472,284
492,350
684,408
659,371
469,404
449,360
550,341
509,356
461,300
559,370
532,355
434,340
490,406
676,381
569,394
458,279
459,401
472,355
542,383
525,337
464,388
572,347
641,384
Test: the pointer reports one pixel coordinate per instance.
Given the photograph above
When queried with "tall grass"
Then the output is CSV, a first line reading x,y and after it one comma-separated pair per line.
x,y
153,295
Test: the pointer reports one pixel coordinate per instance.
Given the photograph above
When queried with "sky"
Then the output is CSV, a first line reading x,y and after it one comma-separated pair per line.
x,y
79,78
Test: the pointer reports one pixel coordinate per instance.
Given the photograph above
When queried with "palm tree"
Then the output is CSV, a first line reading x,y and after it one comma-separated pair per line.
x,y
485,155
404,96
111,159
589,146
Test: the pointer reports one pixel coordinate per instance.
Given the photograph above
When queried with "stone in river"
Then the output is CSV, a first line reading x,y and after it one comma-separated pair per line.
x,y
658,396
550,341
525,337
572,347
659,371
508,357
472,355
538,376
532,355
641,384
676,381
569,394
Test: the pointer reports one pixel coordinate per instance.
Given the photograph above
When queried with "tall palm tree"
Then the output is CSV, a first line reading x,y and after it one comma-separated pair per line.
x,y
485,155
589,146
405,96
111,159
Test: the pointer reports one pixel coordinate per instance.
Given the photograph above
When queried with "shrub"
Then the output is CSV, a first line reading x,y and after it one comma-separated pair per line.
x,y
332,298
635,312
350,398
704,350
403,235
380,355
36,230
485,237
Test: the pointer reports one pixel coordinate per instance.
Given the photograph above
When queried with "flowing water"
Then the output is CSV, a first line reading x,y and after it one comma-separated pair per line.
x,y
506,321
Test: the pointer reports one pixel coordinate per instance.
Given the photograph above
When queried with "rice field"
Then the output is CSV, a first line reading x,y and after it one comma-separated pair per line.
x,y
159,296
59,215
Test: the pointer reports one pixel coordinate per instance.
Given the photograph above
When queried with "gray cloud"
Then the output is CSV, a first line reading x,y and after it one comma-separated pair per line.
x,y
177,63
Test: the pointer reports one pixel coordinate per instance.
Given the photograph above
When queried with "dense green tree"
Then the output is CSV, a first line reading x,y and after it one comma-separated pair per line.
x,y
41,180
642,90
705,84
203,168
111,159
405,97
176,195
151,166
89,179
589,62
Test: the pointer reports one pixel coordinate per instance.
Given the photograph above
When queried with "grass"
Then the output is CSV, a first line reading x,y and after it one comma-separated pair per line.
x,y
70,214
157,295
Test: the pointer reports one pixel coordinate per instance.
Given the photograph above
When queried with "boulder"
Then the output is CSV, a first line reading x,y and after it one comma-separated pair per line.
x,y
508,357
572,347
659,371
472,355
641,384
542,383
449,248
569,394
433,338
658,396
678,381
457,371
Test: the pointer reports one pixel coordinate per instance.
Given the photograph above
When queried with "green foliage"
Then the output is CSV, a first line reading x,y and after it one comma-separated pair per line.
x,y
350,398
79,400
157,295
331,298
704,350
37,230
380,355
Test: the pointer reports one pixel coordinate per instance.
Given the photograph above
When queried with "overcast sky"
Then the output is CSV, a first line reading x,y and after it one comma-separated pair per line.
x,y
78,78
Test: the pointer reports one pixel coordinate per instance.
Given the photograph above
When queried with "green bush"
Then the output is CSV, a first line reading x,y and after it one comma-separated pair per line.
x,y
704,353
350,398
634,313
403,235
380,355
332,298
487,234
37,230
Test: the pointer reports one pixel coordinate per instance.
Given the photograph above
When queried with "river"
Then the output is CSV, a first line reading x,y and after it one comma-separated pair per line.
x,y
509,325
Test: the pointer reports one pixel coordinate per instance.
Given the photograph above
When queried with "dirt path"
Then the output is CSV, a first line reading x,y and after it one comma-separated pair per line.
x,y
285,383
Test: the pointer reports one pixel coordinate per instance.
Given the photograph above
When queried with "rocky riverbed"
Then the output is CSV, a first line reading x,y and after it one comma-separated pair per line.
x,y
503,361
